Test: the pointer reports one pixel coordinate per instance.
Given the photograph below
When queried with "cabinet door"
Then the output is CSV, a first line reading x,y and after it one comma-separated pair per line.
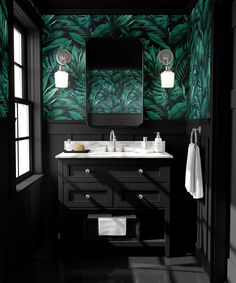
x,y
140,195
87,195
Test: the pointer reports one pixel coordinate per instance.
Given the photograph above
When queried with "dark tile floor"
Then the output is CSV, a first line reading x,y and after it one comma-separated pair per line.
x,y
109,269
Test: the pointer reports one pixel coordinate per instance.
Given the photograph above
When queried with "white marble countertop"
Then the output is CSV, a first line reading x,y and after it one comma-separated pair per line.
x,y
132,149
94,154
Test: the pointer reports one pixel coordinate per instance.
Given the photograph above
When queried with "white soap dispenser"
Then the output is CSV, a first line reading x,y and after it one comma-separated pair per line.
x,y
158,143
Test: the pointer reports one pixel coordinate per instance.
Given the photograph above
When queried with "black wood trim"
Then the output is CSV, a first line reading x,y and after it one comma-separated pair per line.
x,y
221,125
204,262
115,11
32,23
23,8
116,7
11,104
234,14
233,99
35,95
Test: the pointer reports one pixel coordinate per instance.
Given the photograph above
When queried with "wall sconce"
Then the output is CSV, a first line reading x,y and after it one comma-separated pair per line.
x,y
63,57
165,57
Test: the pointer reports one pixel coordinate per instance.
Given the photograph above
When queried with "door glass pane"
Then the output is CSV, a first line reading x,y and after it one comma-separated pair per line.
x,y
23,120
17,46
24,161
17,169
17,81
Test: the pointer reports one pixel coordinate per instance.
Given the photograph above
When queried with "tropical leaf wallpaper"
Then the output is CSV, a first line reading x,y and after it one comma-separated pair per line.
x,y
4,85
115,91
200,63
188,36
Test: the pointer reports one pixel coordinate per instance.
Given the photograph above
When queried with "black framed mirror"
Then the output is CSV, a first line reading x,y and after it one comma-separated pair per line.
x,y
114,82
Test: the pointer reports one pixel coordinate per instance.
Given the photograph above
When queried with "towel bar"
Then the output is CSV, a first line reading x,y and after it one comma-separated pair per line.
x,y
194,132
199,129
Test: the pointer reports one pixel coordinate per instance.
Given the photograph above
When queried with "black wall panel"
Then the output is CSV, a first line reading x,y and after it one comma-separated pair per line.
x,y
231,270
177,136
6,248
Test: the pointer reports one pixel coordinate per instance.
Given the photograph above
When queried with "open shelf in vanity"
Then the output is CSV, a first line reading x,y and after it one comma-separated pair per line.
x,y
136,187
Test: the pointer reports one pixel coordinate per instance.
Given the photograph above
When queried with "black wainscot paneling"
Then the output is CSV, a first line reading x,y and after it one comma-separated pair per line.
x,y
185,210
6,247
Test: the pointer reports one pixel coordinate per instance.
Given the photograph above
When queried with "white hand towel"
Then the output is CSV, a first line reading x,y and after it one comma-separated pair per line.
x,y
193,174
189,173
198,186
112,226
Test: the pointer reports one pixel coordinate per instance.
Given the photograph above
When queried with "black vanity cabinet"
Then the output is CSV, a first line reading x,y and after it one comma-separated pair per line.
x,y
136,188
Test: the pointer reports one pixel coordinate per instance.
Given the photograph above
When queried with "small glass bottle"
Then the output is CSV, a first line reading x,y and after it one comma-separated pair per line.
x,y
144,143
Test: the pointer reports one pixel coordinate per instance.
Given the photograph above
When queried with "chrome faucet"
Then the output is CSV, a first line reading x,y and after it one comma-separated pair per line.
x,y
113,140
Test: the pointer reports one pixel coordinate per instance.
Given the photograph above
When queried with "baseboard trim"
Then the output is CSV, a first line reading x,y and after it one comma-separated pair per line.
x,y
231,271
202,259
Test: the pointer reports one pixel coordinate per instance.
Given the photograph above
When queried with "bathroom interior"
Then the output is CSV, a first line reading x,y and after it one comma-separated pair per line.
x,y
105,108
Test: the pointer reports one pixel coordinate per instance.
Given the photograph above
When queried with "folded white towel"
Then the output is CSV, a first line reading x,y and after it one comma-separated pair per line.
x,y
193,174
112,226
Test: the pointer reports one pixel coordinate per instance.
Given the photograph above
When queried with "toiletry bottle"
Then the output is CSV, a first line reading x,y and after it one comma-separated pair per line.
x,y
158,143
163,146
144,143
68,145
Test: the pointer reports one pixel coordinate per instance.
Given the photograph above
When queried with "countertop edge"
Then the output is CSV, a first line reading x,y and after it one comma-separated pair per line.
x,y
90,156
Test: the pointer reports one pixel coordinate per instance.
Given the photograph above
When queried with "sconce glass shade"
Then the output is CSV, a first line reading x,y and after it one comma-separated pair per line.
x,y
63,57
166,57
167,79
61,79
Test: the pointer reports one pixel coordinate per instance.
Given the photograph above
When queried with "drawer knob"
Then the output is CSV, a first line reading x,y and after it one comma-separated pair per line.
x,y
87,171
140,196
140,171
87,196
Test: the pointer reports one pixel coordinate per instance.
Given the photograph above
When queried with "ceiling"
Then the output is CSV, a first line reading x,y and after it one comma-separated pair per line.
x,y
114,6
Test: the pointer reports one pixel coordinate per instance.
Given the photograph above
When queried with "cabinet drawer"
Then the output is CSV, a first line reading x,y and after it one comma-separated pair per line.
x,y
138,173
87,195
120,172
139,196
85,172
